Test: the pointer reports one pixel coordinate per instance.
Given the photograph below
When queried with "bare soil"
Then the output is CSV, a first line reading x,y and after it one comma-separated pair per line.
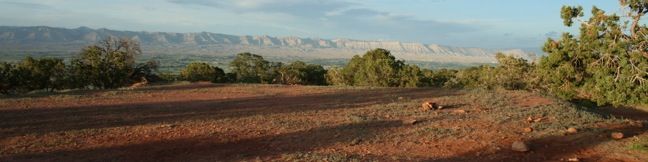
x,y
218,122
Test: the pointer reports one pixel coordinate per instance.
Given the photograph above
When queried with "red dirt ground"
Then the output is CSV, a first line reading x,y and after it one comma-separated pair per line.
x,y
215,122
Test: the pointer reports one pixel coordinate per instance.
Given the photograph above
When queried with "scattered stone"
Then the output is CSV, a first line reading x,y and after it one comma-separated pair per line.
x,y
460,111
410,121
427,106
527,130
520,146
400,98
617,135
575,159
572,130
167,125
529,120
534,120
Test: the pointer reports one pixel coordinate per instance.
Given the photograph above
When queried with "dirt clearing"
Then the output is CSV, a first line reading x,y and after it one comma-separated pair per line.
x,y
214,122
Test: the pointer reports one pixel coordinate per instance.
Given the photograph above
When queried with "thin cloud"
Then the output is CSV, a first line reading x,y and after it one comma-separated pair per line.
x,y
344,17
26,5
298,8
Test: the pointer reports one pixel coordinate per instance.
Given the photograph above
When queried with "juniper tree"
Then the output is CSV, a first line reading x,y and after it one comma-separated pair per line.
x,y
606,62
44,73
252,68
200,71
107,64
301,73
378,68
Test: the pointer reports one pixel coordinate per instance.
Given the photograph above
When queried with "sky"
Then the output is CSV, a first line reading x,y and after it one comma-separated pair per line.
x,y
461,23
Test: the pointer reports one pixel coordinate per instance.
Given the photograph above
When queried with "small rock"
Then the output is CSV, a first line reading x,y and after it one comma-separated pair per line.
x,y
167,126
534,120
575,159
520,146
572,130
400,98
427,106
460,111
410,121
527,130
617,135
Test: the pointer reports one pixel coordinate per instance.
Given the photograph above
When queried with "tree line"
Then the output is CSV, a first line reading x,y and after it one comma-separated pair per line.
x,y
105,65
607,62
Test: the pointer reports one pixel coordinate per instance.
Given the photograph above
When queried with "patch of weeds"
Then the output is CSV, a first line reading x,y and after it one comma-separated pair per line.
x,y
488,98
564,115
555,117
639,145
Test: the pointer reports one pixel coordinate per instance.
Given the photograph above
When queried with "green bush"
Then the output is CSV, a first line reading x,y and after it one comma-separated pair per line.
x,y
334,76
146,71
607,62
45,73
512,73
200,71
8,80
251,68
108,64
439,78
301,73
376,68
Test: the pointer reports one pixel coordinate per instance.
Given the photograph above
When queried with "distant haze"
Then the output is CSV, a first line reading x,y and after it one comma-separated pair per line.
x,y
461,23
60,40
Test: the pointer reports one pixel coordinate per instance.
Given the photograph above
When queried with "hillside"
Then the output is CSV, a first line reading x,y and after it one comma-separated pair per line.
x,y
60,40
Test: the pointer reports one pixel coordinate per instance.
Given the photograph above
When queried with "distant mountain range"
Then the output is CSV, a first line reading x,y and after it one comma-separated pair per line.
x,y
43,39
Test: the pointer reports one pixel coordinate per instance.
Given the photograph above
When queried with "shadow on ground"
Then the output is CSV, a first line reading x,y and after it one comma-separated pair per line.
x,y
209,149
39,121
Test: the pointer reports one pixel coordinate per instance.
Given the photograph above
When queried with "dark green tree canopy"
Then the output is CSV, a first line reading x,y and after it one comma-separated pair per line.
x,y
200,71
607,62
45,73
107,64
252,68
378,68
299,72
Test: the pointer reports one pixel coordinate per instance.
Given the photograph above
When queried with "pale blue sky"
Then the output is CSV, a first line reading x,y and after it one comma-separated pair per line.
x,y
465,23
